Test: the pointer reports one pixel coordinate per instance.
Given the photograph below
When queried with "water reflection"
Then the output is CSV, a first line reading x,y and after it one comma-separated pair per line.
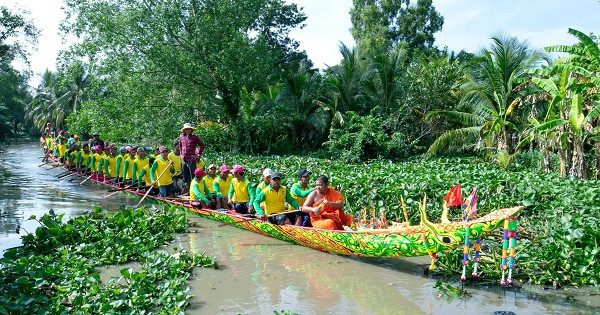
x,y
27,189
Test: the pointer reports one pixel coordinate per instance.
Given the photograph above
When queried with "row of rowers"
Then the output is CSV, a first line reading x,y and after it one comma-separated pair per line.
x,y
320,207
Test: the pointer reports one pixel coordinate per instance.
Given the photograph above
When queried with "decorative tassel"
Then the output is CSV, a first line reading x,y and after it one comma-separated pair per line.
x,y
504,252
476,257
512,228
465,260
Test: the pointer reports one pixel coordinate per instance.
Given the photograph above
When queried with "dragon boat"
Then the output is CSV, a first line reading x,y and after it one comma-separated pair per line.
x,y
404,241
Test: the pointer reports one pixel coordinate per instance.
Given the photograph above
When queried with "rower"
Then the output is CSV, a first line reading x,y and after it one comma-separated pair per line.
x,y
200,196
175,157
241,193
144,175
266,180
300,190
274,197
209,180
127,172
140,162
221,187
159,168
110,165
83,157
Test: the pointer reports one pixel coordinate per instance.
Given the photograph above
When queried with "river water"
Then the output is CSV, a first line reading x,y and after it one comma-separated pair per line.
x,y
260,275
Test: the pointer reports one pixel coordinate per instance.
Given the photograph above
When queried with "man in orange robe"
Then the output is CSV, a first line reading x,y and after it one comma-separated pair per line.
x,y
325,207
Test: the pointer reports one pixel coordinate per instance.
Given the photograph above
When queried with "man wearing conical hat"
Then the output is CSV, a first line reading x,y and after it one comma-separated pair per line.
x,y
188,142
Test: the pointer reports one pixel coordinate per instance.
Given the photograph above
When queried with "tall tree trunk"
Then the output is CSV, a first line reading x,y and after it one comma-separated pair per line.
x,y
597,175
545,155
578,163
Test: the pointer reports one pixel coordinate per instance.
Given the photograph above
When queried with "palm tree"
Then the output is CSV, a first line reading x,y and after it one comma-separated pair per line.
x,y
59,95
491,95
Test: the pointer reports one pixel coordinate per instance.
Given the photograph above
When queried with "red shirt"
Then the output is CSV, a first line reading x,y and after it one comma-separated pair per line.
x,y
188,144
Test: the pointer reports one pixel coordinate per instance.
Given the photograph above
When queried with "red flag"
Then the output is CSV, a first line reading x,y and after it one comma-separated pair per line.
x,y
454,197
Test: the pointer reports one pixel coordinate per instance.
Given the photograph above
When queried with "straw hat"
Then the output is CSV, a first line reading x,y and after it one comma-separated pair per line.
x,y
187,126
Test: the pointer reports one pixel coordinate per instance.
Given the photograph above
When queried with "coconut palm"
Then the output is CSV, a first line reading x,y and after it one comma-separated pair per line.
x,y
59,95
490,95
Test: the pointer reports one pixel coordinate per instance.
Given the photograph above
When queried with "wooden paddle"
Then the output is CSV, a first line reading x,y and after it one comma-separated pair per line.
x,y
86,179
154,182
247,219
117,190
67,175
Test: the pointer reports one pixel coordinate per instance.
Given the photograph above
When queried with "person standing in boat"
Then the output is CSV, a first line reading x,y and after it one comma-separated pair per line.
x,y
274,197
110,166
83,157
127,172
200,196
325,205
140,162
221,187
188,142
175,156
241,193
158,171
209,180
300,191
97,141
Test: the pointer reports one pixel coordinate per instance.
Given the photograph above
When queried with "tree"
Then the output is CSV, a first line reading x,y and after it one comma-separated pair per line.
x,y
490,95
204,50
17,29
15,33
378,25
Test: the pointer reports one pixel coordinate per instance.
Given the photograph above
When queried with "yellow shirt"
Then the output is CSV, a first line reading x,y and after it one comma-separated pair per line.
x,y
110,163
158,168
209,182
176,162
221,187
129,163
201,188
240,191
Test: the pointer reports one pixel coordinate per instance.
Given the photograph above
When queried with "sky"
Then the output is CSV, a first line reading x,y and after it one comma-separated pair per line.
x,y
468,25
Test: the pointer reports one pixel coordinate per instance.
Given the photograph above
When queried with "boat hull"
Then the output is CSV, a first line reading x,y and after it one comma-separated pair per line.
x,y
402,242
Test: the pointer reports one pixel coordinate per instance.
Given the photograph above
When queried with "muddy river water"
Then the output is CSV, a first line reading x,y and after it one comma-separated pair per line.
x,y
260,275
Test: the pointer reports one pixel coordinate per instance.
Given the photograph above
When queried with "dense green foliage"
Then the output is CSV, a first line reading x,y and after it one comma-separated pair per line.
x,y
16,32
54,271
378,25
559,231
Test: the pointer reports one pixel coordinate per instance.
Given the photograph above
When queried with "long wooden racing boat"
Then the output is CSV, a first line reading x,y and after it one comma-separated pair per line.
x,y
410,241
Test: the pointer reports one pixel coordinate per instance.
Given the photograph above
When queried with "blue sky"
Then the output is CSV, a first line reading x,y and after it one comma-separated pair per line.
x,y
468,24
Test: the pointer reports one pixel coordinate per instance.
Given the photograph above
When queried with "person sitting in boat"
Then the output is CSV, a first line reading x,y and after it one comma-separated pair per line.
x,y
144,176
241,193
209,180
266,180
72,156
325,205
299,191
200,196
274,197
221,187
161,165
175,156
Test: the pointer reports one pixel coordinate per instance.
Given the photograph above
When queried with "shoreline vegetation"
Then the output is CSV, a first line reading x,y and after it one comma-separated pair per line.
x,y
55,269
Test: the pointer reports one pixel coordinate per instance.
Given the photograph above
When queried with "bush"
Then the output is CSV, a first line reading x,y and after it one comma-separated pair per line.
x,y
362,137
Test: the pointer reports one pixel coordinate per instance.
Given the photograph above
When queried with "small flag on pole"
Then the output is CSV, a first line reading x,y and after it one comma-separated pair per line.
x,y
454,197
470,205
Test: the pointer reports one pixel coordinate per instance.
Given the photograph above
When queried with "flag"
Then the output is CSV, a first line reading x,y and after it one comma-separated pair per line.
x,y
470,205
454,197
